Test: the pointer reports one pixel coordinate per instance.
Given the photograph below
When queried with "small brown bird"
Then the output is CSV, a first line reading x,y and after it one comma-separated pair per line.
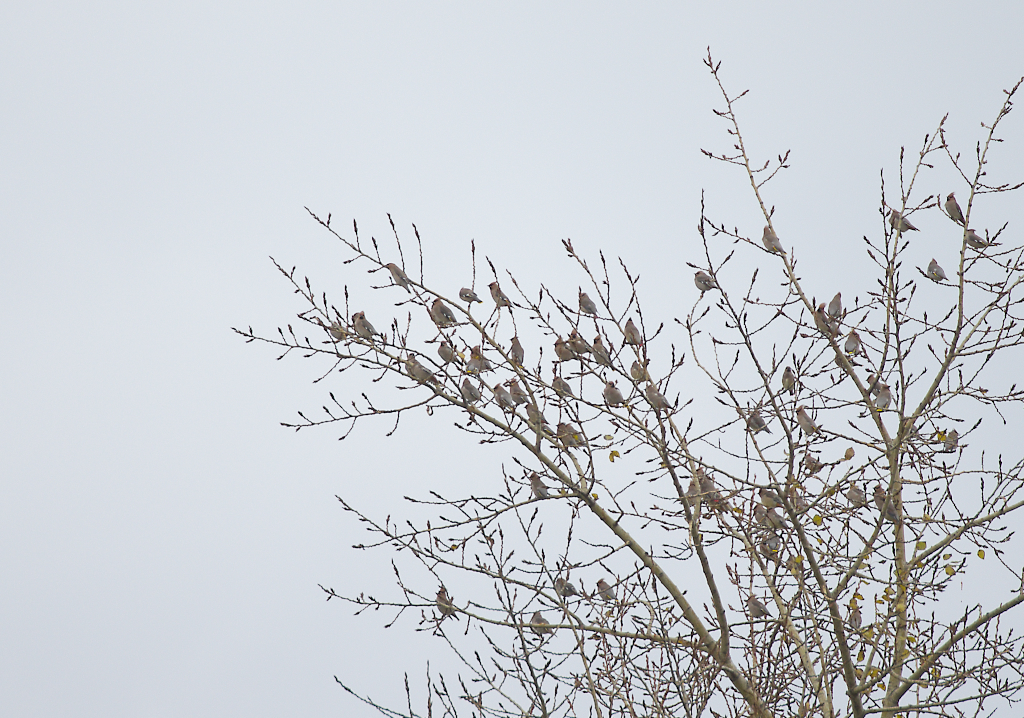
x,y
953,209
771,241
419,372
537,487
857,496
704,281
399,276
444,603
519,395
516,353
447,352
884,504
578,344
632,334
500,300
535,418
563,351
477,363
470,393
561,386
770,547
975,241
821,321
337,331
538,625
789,380
756,422
504,399
570,436
362,326
796,498
604,590
587,305
612,395
656,398
950,440
852,345
805,421
855,619
835,307
769,498
883,396
468,295
600,351
639,371
900,223
935,272
441,313
756,608
565,589
812,464
776,520
709,491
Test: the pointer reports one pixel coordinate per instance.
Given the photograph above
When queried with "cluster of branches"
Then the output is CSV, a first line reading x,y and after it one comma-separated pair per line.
x,y
831,489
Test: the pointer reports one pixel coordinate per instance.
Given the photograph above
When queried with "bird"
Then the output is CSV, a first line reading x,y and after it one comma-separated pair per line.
x,y
538,625
950,440
444,603
884,505
362,326
770,546
805,421
477,364
565,589
798,502
570,436
519,395
953,209
656,398
587,305
468,295
872,383
337,331
855,619
612,395
756,422
771,241
812,464
504,399
900,223
789,380
883,396
563,351
578,344
822,321
756,608
975,241
600,352
709,491
516,353
535,418
399,276
561,386
500,300
447,352
776,520
835,307
852,345
935,272
639,371
857,496
419,372
470,393
632,334
769,498
537,487
704,281
441,313
604,590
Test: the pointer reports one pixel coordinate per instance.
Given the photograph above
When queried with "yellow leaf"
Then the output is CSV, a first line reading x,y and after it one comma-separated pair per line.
x,y
860,657
911,639
981,553
946,556
594,495
613,456
849,453
608,437
949,571
817,520
921,545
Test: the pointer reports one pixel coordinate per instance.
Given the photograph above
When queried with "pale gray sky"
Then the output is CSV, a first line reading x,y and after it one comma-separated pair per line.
x,y
161,536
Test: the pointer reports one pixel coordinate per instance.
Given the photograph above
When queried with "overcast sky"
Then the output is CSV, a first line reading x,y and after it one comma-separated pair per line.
x,y
161,536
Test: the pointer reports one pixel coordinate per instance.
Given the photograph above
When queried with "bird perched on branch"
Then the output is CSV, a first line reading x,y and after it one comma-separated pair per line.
x,y
419,372
657,399
974,241
441,313
821,320
612,395
804,420
447,352
362,326
587,305
769,498
600,352
578,344
771,241
399,276
516,353
900,223
570,436
835,307
756,422
477,364
468,295
789,380
504,399
519,395
935,272
704,281
444,603
539,626
953,209
500,300
852,345
857,496
565,589
632,334
756,608
562,350
884,504
537,487
470,393
604,590
561,386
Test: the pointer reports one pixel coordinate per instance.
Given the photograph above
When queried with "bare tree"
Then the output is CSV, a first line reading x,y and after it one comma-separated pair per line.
x,y
818,508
